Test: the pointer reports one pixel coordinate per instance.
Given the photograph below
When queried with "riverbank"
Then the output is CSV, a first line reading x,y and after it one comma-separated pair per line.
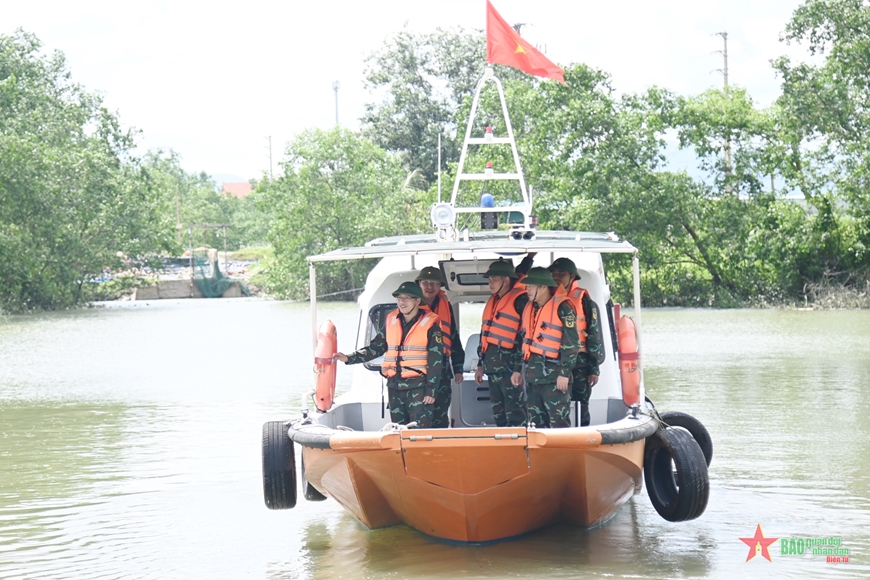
x,y
827,296
175,278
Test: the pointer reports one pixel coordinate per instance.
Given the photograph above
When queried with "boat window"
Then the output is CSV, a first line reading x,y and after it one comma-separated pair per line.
x,y
377,318
464,276
472,279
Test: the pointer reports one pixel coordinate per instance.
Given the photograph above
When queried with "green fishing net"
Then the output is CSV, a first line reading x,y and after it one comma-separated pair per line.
x,y
209,278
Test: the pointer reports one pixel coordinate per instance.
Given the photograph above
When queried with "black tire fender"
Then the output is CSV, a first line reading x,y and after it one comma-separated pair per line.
x,y
279,467
693,426
675,474
309,492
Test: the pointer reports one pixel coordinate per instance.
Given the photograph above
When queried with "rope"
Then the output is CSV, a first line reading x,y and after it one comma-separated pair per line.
x,y
330,294
340,292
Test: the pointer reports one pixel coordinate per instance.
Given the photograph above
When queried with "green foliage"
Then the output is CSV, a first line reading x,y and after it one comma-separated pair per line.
x,y
196,199
734,141
422,80
71,194
596,161
118,287
826,127
338,189
251,253
74,198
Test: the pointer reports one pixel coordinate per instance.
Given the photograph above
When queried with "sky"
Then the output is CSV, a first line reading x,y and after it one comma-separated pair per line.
x,y
214,81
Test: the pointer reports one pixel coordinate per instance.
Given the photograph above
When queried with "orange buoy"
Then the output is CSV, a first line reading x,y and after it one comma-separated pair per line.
x,y
628,357
324,365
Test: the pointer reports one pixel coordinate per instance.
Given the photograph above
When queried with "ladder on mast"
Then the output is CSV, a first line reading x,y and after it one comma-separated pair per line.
x,y
444,214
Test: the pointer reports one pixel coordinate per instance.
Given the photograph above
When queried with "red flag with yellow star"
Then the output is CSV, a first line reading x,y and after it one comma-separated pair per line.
x,y
505,46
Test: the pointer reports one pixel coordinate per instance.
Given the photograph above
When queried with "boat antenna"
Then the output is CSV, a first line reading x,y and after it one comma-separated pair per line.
x,y
439,166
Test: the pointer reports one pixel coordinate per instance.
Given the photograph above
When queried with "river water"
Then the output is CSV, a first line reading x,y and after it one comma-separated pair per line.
x,y
130,448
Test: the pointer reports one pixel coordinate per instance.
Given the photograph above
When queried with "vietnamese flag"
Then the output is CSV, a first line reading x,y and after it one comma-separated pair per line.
x,y
505,46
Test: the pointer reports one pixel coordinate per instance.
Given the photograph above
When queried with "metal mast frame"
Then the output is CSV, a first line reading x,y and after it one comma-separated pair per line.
x,y
517,175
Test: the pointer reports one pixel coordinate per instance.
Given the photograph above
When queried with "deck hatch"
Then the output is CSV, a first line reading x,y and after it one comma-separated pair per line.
x,y
465,460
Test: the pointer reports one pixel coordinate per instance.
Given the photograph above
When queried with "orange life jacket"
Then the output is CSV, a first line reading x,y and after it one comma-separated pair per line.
x,y
411,352
576,294
445,316
544,330
501,321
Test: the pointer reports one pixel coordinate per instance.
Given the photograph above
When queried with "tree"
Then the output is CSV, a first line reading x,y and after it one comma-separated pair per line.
x,y
709,121
196,199
424,79
597,162
338,189
826,127
72,195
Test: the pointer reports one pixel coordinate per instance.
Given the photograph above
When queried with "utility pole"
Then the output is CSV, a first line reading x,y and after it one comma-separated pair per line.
x,y
335,86
177,217
724,53
724,71
269,139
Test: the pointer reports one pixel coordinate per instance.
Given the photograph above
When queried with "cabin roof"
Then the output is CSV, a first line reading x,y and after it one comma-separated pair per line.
x,y
498,242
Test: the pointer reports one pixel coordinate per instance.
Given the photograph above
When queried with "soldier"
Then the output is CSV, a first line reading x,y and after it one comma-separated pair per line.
x,y
435,300
549,344
413,346
588,327
499,352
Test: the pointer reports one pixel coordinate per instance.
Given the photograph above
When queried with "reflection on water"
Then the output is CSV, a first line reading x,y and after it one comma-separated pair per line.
x,y
130,448
555,552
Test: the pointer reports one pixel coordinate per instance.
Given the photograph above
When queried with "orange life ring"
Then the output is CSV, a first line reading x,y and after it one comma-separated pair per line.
x,y
324,365
628,357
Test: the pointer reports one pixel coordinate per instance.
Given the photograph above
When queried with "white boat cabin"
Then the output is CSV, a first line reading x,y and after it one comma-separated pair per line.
x,y
462,265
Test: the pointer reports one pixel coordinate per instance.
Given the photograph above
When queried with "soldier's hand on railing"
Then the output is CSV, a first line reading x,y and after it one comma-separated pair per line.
x,y
340,356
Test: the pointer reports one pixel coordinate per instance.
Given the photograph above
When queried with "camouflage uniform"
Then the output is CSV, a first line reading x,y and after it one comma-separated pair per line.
x,y
547,406
499,363
406,395
587,362
449,369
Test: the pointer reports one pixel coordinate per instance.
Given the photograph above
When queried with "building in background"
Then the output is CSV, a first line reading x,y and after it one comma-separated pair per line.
x,y
237,189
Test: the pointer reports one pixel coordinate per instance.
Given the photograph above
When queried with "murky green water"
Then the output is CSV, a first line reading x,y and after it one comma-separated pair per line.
x,y
130,448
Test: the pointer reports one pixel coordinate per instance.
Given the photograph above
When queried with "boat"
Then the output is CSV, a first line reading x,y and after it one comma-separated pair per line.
x,y
475,482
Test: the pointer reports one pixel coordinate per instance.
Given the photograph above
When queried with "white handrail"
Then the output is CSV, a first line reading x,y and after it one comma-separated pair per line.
x,y
635,273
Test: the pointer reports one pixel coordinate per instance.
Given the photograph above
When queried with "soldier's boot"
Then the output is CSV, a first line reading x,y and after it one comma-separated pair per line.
x,y
585,418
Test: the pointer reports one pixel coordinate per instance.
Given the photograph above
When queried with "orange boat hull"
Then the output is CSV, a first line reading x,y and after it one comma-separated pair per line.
x,y
476,485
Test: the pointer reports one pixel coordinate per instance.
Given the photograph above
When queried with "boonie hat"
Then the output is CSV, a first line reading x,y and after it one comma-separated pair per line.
x,y
411,289
564,264
430,273
501,268
539,277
